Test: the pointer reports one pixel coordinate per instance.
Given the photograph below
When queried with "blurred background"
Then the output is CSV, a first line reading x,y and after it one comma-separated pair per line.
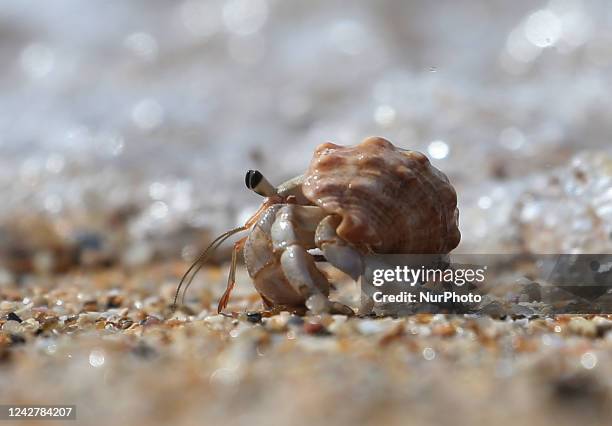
x,y
125,132
126,128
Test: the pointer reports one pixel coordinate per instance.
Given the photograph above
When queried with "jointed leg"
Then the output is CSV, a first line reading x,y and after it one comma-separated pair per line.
x,y
239,245
294,231
231,278
337,251
301,273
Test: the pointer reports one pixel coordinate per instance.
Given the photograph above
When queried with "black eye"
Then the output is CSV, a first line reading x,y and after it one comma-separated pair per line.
x,y
252,179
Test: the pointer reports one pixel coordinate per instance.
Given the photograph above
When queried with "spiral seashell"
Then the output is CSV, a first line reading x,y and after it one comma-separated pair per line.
x,y
389,199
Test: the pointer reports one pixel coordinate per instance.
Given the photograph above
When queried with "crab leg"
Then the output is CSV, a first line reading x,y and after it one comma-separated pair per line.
x,y
231,278
293,232
304,277
276,254
301,273
335,250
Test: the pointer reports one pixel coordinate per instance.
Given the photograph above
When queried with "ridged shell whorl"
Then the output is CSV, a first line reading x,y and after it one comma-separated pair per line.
x,y
391,199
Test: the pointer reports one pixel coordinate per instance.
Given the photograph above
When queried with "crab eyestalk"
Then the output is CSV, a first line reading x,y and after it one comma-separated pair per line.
x,y
257,183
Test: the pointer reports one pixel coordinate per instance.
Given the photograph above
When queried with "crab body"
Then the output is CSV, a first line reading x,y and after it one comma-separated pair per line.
x,y
372,197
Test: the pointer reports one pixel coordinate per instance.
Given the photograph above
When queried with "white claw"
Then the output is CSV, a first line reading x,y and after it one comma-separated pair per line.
x,y
345,258
301,272
283,232
336,251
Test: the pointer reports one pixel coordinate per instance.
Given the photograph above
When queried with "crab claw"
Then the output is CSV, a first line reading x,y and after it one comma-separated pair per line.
x,y
335,250
301,273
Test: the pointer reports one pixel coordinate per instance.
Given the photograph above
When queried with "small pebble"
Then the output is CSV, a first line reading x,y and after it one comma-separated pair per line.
x,y
24,313
325,319
278,322
30,325
114,301
11,326
254,317
125,323
295,320
13,317
583,327
86,319
443,330
603,326
151,320
216,322
371,326
315,328
338,322
90,306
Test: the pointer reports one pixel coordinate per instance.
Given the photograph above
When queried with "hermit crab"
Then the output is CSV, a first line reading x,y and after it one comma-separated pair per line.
x,y
352,201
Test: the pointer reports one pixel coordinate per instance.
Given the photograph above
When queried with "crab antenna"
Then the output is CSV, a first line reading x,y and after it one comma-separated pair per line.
x,y
199,262
257,183
195,272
